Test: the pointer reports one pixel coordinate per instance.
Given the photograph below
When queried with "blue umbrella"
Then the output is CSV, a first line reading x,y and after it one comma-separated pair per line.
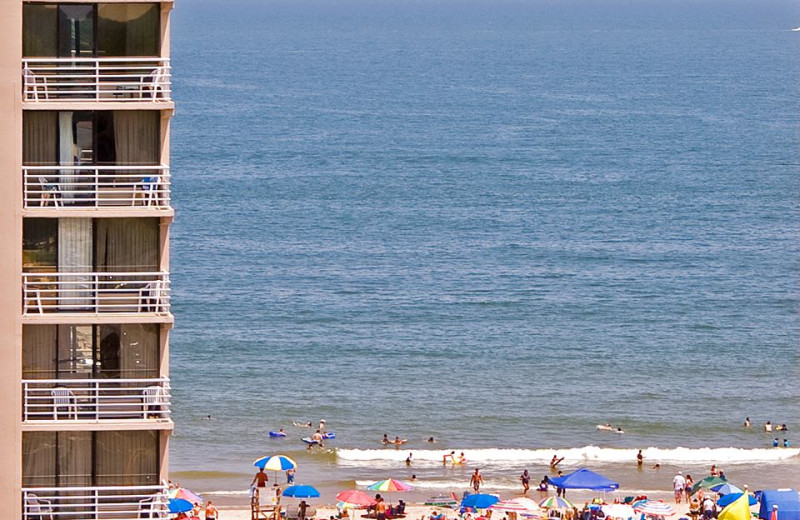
x,y
725,489
301,492
179,505
733,497
480,501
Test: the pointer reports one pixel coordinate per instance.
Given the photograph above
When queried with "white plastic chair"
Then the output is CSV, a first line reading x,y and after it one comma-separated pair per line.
x,y
155,82
149,187
38,507
153,397
150,296
64,398
33,84
49,191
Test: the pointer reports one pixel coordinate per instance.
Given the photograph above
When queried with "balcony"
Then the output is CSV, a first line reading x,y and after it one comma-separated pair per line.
x,y
96,293
75,188
129,80
95,400
98,503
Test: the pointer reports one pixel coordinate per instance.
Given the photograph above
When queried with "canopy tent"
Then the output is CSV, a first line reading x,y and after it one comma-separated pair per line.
x,y
584,479
786,500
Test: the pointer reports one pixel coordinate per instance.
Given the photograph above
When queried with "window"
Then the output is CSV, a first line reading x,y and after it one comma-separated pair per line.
x,y
88,30
102,458
127,351
125,137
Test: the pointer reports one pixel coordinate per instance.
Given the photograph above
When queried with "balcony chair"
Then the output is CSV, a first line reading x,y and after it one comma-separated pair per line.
x,y
149,508
153,399
49,191
150,296
33,85
64,398
38,508
149,187
155,82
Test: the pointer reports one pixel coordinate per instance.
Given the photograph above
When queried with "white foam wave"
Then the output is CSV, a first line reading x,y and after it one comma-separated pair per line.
x,y
573,455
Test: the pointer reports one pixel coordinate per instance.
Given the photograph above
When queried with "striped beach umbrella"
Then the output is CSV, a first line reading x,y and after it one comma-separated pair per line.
x,y
654,508
185,494
555,503
275,463
390,484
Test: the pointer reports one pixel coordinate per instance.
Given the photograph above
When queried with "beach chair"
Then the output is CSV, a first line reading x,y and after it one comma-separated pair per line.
x,y
150,296
64,398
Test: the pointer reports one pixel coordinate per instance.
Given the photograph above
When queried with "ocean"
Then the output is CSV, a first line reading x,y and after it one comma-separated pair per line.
x,y
496,223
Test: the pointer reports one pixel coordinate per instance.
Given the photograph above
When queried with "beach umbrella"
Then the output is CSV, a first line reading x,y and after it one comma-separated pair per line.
x,y
185,494
739,509
623,511
733,497
555,503
355,497
523,505
179,505
390,484
654,508
707,483
275,463
725,489
301,492
479,501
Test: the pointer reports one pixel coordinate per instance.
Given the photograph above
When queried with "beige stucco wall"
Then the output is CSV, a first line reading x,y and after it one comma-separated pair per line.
x,y
10,257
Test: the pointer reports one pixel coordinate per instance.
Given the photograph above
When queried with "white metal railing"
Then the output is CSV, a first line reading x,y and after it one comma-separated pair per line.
x,y
48,400
96,186
96,292
97,502
95,79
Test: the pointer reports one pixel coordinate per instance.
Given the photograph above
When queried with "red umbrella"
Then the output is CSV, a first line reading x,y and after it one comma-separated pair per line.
x,y
356,497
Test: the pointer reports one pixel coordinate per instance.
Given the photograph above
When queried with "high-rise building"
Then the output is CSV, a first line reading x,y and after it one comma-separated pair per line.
x,y
85,214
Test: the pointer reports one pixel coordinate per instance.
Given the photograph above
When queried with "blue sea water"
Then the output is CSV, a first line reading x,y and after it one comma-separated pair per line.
x,y
496,223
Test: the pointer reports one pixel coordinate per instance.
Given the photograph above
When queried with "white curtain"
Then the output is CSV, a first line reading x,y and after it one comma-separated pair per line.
x,y
75,256
66,155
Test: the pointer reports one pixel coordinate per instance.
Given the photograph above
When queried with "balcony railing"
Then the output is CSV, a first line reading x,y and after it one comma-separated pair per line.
x,y
96,79
97,503
96,293
83,187
95,400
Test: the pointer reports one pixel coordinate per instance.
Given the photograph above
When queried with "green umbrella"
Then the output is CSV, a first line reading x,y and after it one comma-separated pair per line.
x,y
708,483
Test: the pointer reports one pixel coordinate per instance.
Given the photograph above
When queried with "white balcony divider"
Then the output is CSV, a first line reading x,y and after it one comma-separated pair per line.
x,y
96,79
97,503
96,186
96,293
95,400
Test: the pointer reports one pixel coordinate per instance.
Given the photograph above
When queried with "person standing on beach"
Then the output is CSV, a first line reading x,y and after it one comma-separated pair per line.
x,y
476,480
639,459
526,482
211,511
261,479
679,486
301,510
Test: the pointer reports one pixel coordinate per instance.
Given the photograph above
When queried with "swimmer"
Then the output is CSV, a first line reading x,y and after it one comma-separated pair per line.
x,y
408,459
431,439
639,459
657,467
385,439
555,461
321,424
450,456
461,458
208,417
318,437
619,430
301,425
398,441
413,478
747,422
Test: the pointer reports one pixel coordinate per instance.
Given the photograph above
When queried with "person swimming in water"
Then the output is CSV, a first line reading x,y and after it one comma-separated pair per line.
x,y
555,461
385,439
